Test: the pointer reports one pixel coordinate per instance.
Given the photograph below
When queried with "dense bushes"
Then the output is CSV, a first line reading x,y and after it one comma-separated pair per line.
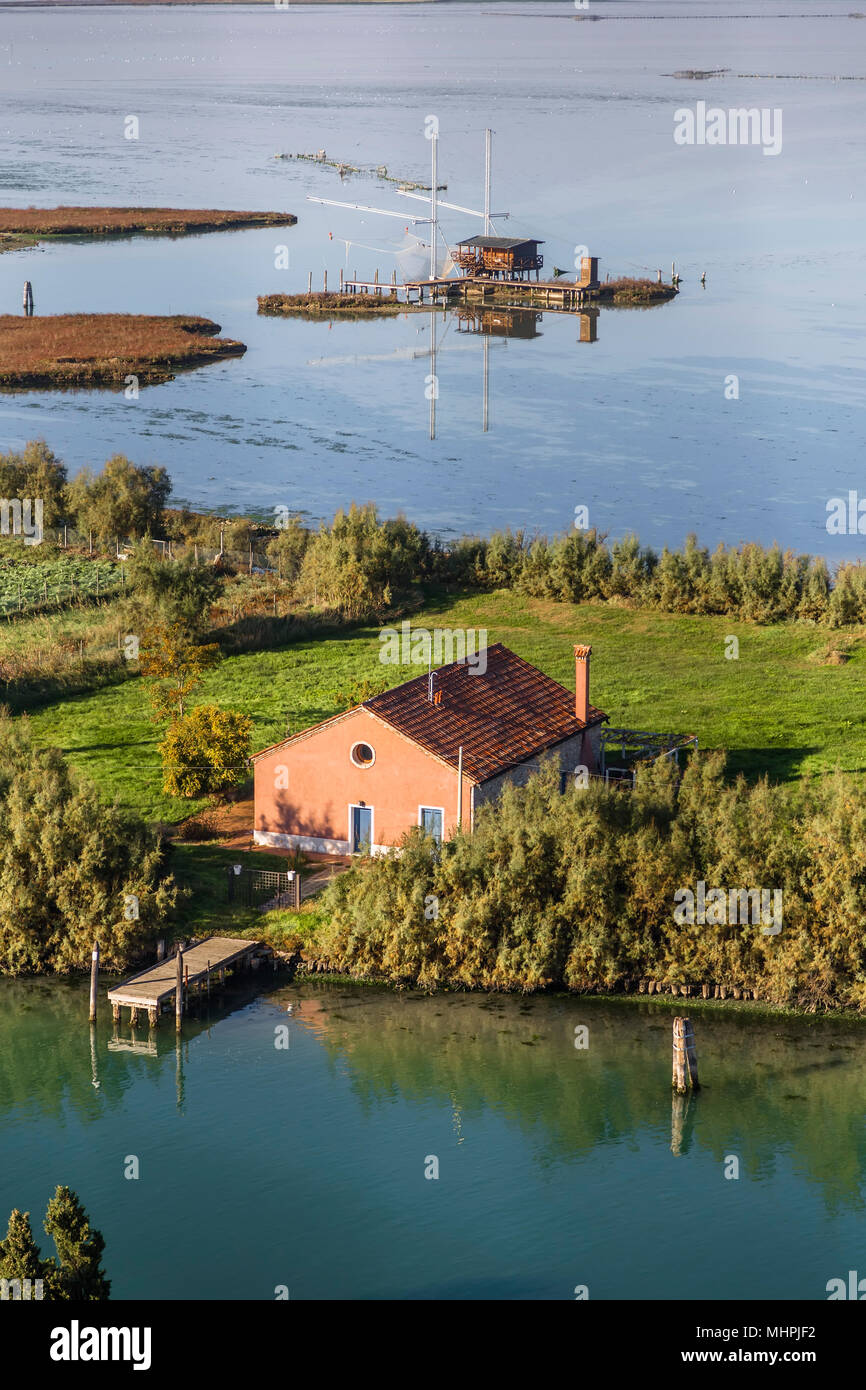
x,y
750,582
361,566
71,869
577,889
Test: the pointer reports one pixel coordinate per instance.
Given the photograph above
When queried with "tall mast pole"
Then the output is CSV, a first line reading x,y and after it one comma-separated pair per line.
x,y
488,162
434,217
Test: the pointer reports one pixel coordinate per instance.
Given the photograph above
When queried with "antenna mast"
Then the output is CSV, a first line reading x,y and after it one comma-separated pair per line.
x,y
488,167
434,214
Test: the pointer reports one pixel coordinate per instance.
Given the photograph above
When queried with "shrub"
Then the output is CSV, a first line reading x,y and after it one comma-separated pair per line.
x,y
577,889
124,500
205,752
69,866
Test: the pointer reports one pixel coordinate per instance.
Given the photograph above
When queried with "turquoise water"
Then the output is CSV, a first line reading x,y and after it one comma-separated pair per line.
x,y
305,1166
635,426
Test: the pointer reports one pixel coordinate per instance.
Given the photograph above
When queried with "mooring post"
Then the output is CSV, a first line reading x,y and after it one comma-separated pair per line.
x,y
325,286
310,283
94,978
28,299
685,1061
178,992
208,979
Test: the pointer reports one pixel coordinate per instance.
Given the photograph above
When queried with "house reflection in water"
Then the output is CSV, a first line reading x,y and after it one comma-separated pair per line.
x,y
507,321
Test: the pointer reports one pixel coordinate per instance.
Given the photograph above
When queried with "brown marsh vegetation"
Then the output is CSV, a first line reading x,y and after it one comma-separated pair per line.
x,y
103,349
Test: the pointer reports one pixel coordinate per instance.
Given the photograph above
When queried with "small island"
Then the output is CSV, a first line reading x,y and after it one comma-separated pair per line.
x,y
74,350
25,226
627,292
322,303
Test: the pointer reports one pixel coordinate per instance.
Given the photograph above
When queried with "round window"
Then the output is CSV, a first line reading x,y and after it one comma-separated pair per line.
x,y
363,755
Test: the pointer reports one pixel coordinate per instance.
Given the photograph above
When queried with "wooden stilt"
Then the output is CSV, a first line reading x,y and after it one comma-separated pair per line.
x,y
152,1017
94,979
178,993
685,1061
133,1015
115,1012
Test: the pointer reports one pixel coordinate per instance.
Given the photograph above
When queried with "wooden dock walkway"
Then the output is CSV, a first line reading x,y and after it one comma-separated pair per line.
x,y
154,987
565,295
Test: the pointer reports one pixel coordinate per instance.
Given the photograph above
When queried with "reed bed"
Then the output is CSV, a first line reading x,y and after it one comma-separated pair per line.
x,y
78,221
103,349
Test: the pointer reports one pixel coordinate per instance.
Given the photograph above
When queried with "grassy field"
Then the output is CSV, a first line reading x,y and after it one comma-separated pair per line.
x,y
777,709
103,349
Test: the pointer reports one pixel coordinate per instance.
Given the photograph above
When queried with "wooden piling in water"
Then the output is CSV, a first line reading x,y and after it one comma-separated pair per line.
x,y
178,993
685,1061
94,979
310,283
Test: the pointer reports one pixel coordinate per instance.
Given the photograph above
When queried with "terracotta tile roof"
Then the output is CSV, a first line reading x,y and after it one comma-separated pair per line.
x,y
501,718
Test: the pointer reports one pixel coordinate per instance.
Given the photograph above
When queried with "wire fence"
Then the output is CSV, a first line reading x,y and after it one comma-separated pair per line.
x,y
42,586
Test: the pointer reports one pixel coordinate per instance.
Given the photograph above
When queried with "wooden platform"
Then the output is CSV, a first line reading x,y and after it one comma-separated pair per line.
x,y
152,988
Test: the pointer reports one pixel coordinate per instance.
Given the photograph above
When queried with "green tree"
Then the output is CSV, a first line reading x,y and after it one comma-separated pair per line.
x,y
124,500
77,1276
35,472
71,867
205,751
175,665
19,1253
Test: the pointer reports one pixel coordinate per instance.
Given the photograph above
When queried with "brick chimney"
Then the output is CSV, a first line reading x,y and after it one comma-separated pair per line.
x,y
581,683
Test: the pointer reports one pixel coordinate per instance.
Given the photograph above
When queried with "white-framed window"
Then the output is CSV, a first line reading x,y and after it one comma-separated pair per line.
x,y
432,821
362,754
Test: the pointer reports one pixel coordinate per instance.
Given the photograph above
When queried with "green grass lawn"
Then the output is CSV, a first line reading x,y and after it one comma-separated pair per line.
x,y
774,709
204,868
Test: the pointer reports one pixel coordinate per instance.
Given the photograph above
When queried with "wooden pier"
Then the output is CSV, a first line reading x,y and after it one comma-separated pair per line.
x,y
154,988
565,296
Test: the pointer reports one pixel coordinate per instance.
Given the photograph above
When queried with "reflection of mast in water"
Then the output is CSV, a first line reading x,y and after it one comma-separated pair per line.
x,y
485,396
432,380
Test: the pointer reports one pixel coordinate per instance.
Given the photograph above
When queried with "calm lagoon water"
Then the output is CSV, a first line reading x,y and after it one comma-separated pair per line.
x,y
555,1164
635,426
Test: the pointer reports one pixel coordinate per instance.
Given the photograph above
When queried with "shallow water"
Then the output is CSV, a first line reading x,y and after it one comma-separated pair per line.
x,y
305,1166
634,426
